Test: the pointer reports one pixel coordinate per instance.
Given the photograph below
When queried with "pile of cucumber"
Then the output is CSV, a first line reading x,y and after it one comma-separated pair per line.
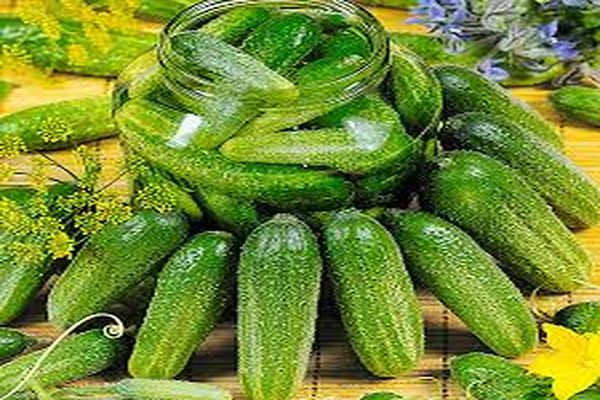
x,y
469,194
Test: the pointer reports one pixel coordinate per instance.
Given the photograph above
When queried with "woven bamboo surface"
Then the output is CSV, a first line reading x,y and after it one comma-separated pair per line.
x,y
334,372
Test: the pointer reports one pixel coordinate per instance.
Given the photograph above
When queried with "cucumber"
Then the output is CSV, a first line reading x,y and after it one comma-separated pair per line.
x,y
416,91
62,124
279,275
229,213
20,282
283,41
144,126
77,357
236,24
579,103
147,389
382,396
465,90
189,298
316,89
336,148
488,377
13,342
507,218
53,55
378,304
458,271
349,41
111,262
581,318
573,195
236,70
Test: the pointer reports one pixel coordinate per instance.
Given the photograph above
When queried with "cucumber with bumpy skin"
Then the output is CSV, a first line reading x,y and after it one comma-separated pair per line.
x,y
144,125
111,262
190,295
457,271
573,195
13,342
465,90
278,284
378,304
283,41
416,91
492,203
77,357
61,124
579,103
581,318
148,389
236,24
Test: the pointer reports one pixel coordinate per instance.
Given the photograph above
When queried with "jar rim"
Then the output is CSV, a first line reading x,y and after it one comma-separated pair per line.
x,y
366,76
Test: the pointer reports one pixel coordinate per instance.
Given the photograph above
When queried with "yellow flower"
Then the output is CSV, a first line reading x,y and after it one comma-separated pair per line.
x,y
77,54
573,362
55,130
11,146
60,245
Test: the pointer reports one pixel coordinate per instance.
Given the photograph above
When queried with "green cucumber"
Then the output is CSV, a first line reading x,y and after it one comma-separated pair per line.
x,y
336,148
382,396
77,357
507,218
316,89
488,377
229,213
581,318
111,262
236,24
573,195
458,271
13,342
343,43
144,127
278,285
378,304
579,103
147,389
189,298
283,41
61,124
53,55
465,90
416,91
20,282
235,69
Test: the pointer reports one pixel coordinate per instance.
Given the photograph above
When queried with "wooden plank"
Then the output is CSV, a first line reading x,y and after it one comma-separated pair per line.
x,y
334,372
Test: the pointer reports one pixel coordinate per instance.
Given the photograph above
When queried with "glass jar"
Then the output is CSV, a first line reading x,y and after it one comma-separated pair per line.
x,y
289,119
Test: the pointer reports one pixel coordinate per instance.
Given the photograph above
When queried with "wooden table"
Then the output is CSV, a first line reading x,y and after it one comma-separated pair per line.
x,y
334,372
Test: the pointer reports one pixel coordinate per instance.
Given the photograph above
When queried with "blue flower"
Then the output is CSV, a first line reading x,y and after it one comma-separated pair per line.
x,y
445,18
492,70
565,50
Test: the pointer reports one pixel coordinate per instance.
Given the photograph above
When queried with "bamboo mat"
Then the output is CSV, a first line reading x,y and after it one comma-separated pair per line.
x,y
334,372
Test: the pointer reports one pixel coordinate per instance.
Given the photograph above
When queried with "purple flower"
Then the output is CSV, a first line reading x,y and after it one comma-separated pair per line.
x,y
445,18
491,69
565,50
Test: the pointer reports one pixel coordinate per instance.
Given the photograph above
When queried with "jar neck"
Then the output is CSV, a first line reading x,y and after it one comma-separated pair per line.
x,y
366,77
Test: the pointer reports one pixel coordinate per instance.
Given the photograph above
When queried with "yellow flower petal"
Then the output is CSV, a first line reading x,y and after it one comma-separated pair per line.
x,y
593,351
569,385
564,339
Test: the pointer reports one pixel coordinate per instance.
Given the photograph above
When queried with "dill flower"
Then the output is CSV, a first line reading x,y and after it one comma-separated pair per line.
x,y
54,130
11,146
156,196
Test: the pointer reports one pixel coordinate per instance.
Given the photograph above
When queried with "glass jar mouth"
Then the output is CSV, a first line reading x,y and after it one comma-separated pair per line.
x,y
368,74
